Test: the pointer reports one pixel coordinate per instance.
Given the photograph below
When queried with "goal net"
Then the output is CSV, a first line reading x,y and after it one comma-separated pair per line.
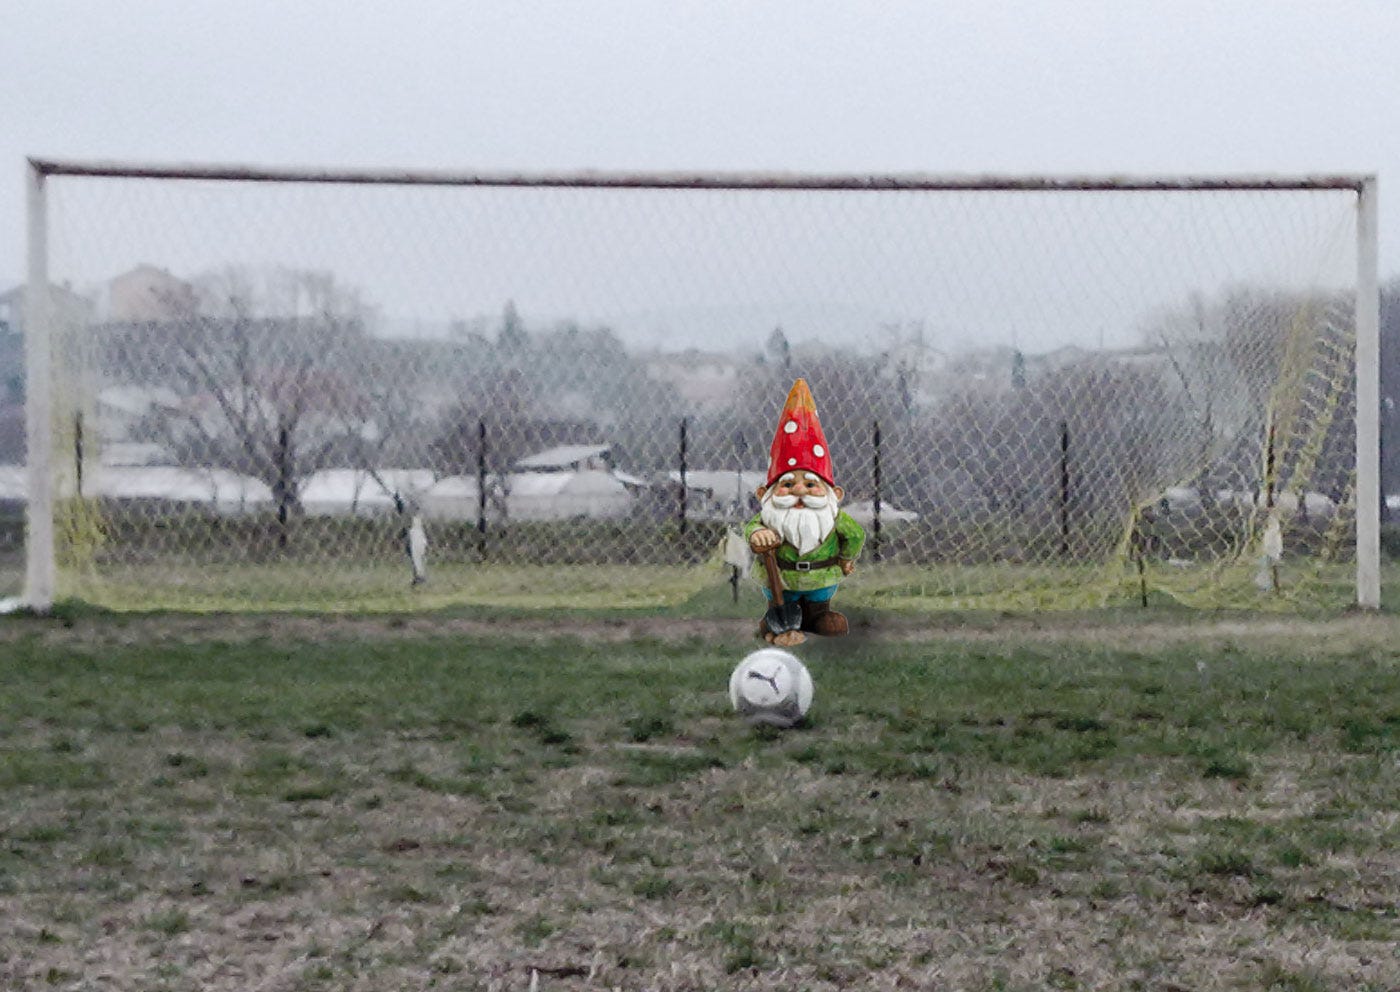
x,y
357,391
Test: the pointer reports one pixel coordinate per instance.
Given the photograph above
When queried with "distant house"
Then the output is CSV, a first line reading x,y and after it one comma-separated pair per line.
x,y
69,308
146,294
706,381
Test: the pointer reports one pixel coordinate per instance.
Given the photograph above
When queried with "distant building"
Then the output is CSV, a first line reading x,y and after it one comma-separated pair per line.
x,y
863,513
566,495
70,312
719,493
216,490
220,491
701,380
11,365
569,458
338,492
70,309
539,495
145,295
457,497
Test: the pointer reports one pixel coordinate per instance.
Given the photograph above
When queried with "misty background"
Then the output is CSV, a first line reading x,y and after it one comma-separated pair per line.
x,y
897,288
1091,86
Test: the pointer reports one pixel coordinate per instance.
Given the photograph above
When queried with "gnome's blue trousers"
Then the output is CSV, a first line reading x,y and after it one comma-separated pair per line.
x,y
798,595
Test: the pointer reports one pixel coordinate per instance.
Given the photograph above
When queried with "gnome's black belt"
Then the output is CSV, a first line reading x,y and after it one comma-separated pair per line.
x,y
806,566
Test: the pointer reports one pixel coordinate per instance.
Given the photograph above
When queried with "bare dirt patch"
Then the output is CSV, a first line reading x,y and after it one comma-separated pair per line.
x,y
1337,635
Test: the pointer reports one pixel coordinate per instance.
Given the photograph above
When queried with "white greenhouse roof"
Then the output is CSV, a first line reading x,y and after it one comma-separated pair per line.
x,y
563,456
721,481
162,482
138,400
630,480
135,453
453,487
347,486
546,484
180,485
863,512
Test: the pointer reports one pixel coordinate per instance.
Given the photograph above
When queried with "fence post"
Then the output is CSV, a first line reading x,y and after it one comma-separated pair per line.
x,y
283,477
1064,488
682,498
1270,466
481,488
78,452
875,504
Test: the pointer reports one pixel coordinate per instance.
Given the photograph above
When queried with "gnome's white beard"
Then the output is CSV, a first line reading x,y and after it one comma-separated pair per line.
x,y
804,527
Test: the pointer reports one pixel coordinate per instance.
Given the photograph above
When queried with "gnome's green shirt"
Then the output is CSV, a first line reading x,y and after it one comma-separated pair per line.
x,y
845,541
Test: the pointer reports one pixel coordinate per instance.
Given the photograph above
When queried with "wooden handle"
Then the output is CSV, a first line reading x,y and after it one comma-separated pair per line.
x,y
775,580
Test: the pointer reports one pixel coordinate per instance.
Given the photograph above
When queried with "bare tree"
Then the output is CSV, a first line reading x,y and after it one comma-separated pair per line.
x,y
265,364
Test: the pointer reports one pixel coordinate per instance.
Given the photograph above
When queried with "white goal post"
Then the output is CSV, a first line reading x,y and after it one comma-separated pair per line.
x,y
42,570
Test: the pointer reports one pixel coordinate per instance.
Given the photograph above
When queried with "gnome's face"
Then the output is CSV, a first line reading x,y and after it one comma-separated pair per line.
x,y
801,507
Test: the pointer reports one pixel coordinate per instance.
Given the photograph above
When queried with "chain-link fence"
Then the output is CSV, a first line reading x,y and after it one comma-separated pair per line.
x,y
347,395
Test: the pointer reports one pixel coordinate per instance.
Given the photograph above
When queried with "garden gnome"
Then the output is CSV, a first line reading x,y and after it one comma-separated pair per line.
x,y
800,520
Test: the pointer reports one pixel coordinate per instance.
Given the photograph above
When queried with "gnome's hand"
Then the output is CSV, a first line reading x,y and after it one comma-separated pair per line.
x,y
764,539
848,565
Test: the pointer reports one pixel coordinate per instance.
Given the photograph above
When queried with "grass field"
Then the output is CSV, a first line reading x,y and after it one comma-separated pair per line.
x,y
481,800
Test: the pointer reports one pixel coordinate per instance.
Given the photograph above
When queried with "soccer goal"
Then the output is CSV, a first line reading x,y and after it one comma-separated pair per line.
x,y
357,389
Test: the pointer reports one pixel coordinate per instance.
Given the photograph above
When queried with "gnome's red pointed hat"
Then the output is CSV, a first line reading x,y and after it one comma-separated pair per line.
x,y
799,444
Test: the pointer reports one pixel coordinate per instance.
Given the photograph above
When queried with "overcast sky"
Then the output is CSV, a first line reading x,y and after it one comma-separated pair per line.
x,y
1097,86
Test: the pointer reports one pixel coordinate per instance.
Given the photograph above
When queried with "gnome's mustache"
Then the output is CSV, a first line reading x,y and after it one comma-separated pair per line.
x,y
810,500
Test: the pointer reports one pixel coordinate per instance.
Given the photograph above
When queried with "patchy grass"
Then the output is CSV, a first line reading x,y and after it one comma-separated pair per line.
x,y
282,803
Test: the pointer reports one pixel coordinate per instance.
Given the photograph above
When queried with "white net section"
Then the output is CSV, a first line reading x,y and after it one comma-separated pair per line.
x,y
312,395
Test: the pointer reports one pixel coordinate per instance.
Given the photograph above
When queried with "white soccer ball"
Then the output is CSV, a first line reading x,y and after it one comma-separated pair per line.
x,y
771,688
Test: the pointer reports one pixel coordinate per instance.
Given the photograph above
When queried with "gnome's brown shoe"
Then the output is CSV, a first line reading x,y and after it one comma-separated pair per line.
x,y
821,619
831,624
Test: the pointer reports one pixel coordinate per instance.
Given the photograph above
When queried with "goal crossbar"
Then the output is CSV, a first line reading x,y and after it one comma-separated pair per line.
x,y
719,180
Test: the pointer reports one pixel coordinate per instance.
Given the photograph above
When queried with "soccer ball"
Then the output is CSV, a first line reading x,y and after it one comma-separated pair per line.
x,y
771,688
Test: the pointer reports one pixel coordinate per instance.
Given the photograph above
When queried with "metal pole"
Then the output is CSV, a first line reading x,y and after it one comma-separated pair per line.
x,y
284,472
78,452
875,503
1368,403
1064,488
1380,494
593,179
682,505
41,572
1269,464
481,487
